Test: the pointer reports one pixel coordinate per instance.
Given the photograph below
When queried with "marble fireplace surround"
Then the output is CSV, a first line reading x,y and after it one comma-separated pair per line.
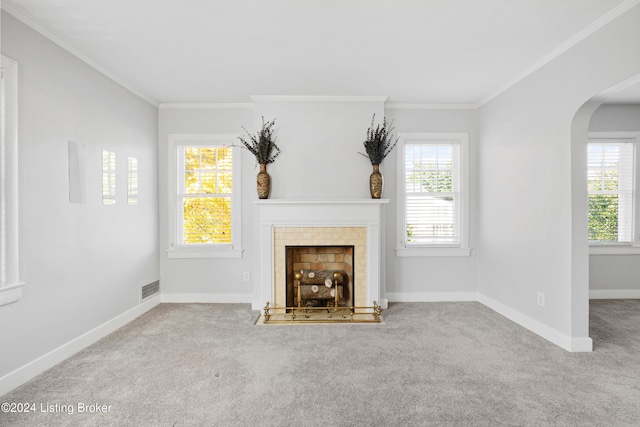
x,y
356,222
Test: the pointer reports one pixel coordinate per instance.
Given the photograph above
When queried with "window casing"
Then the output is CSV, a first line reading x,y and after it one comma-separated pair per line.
x,y
10,283
205,196
433,200
612,197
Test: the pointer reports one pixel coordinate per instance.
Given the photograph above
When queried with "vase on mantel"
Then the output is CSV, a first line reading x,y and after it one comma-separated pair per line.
x,y
375,183
263,182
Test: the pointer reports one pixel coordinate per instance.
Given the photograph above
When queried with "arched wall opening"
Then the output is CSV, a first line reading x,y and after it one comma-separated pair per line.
x,y
579,203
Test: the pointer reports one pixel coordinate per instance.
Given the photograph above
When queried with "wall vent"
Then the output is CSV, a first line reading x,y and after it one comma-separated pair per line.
x,y
150,289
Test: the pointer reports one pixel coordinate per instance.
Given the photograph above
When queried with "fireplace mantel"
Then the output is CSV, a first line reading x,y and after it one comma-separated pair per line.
x,y
321,215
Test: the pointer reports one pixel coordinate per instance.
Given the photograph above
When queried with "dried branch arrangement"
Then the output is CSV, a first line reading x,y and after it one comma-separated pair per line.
x,y
262,145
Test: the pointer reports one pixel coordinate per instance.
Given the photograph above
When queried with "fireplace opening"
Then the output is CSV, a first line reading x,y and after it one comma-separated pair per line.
x,y
319,276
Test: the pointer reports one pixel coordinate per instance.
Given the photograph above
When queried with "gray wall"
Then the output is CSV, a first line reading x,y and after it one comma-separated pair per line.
x,y
83,264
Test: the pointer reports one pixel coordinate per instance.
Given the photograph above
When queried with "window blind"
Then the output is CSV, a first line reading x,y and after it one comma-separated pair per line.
x,y
432,193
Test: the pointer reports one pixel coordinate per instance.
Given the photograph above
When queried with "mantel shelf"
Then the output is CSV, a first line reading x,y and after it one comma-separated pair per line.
x,y
321,201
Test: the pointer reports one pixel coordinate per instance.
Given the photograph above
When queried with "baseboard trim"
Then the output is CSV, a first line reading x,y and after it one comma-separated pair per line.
x,y
25,373
581,344
614,294
207,298
431,296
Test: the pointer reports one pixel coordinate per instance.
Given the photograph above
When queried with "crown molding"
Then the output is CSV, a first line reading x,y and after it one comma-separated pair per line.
x,y
318,98
9,7
408,106
205,106
291,98
563,47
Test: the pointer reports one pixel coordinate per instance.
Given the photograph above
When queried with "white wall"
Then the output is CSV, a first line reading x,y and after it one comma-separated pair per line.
x,y
320,140
431,278
83,264
532,224
618,273
206,280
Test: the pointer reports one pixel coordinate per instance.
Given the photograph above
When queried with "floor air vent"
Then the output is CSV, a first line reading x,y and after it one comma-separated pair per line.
x,y
150,289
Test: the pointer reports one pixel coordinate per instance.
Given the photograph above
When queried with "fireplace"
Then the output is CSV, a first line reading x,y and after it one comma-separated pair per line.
x,y
321,224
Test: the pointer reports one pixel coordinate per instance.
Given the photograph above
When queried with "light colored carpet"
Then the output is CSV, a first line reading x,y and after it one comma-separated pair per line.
x,y
427,364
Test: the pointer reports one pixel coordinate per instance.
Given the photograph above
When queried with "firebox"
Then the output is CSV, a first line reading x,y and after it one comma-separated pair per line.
x,y
318,276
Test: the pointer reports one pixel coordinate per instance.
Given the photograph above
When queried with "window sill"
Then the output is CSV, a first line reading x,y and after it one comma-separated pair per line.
x,y
614,250
201,254
432,252
10,294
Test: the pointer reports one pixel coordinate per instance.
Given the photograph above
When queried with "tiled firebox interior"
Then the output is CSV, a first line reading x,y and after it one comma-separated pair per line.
x,y
320,236
320,259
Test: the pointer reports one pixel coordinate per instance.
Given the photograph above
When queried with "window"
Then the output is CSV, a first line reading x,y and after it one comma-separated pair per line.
x,y
611,183
108,177
10,284
206,196
432,192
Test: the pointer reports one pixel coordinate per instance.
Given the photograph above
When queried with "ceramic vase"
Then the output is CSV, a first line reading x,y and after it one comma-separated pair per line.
x,y
375,183
263,182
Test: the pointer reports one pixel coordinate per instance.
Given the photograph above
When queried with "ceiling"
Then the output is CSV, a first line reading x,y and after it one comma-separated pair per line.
x,y
413,51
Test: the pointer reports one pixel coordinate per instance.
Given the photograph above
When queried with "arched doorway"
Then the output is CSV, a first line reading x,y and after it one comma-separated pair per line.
x,y
629,91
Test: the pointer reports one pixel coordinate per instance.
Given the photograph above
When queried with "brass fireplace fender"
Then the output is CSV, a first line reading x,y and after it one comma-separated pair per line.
x,y
330,314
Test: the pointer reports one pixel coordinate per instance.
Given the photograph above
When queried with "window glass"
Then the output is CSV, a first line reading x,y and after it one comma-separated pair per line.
x,y
610,175
432,193
206,194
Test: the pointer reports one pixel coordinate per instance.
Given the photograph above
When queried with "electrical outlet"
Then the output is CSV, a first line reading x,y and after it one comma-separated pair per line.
x,y
246,276
540,299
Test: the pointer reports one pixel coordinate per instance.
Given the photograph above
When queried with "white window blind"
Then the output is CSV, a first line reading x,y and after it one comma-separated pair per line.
x,y
432,179
610,169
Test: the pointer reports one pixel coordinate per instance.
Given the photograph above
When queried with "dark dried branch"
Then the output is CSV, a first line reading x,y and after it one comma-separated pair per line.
x,y
262,145
379,141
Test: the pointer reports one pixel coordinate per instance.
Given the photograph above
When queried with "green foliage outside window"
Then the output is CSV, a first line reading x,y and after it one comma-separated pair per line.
x,y
603,178
603,217
433,181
